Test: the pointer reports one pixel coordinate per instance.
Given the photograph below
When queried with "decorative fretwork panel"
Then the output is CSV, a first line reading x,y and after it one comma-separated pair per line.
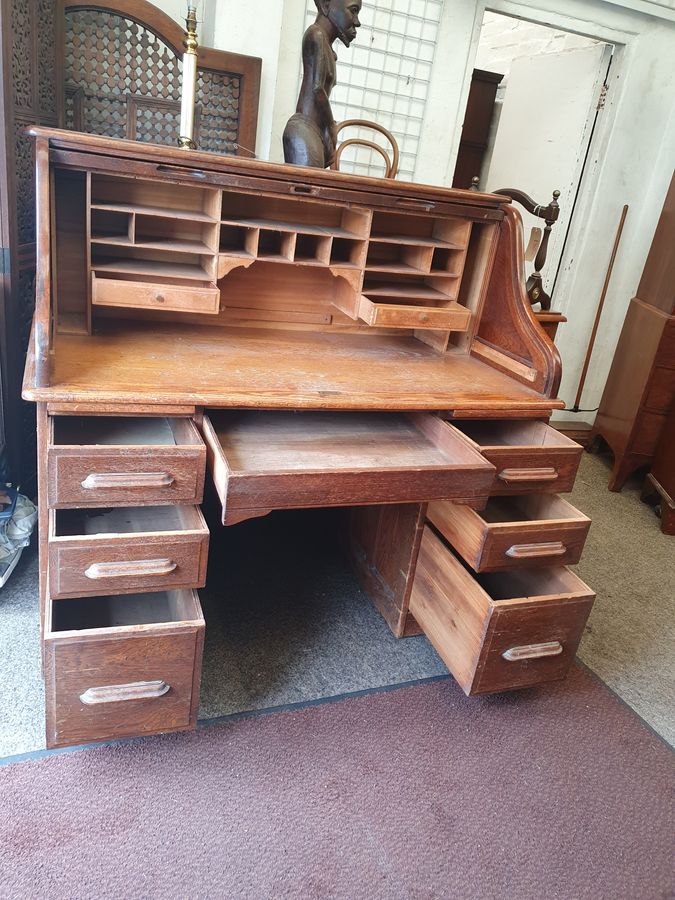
x,y
24,174
22,53
28,436
46,58
27,303
30,96
122,80
218,107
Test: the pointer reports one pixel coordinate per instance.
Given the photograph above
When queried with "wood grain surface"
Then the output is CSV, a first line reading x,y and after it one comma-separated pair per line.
x,y
472,624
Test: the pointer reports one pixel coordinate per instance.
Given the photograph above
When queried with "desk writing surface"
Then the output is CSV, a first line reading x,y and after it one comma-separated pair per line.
x,y
138,362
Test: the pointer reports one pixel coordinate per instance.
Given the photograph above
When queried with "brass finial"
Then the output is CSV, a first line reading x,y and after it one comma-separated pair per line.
x,y
190,42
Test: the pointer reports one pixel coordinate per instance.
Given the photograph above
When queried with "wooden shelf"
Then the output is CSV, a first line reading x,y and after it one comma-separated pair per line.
x,y
408,240
404,292
297,228
236,253
152,269
400,268
170,245
158,211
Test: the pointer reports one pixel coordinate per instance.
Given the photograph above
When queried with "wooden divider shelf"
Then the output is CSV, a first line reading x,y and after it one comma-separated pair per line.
x,y
147,236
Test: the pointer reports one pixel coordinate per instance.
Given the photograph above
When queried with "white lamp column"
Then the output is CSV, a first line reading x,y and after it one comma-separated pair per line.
x,y
189,88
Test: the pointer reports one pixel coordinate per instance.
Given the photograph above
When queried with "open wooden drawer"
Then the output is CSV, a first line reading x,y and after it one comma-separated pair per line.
x,y
262,461
140,293
118,666
530,456
513,532
126,549
113,460
499,631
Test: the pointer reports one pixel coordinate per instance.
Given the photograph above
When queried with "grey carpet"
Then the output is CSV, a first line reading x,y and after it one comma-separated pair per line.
x,y
630,637
21,692
413,794
288,623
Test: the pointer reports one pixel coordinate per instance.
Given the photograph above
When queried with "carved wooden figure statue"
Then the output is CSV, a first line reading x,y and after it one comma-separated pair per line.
x,y
310,137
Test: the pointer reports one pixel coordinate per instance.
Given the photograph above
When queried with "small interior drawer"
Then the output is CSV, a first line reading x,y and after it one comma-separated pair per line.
x,y
513,532
530,456
262,461
121,666
399,315
126,550
136,294
502,630
111,460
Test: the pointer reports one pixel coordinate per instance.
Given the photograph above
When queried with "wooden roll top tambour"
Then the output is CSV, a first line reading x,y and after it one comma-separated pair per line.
x,y
187,304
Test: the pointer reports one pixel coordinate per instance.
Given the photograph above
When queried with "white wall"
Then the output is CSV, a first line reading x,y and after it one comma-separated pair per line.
x,y
503,39
633,157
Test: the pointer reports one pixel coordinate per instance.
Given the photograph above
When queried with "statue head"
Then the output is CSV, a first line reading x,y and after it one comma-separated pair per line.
x,y
343,16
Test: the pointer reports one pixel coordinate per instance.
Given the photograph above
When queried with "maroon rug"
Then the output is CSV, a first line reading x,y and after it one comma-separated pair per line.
x,y
413,793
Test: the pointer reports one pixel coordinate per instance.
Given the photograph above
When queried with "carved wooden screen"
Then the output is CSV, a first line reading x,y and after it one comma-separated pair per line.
x,y
28,96
122,78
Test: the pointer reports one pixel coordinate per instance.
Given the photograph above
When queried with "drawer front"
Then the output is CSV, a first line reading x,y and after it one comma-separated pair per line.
x,y
533,469
383,315
145,295
530,643
497,645
107,688
661,390
665,355
97,476
493,546
124,565
646,433
530,457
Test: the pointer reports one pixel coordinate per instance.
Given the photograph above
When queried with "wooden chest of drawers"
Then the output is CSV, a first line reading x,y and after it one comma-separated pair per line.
x,y
640,387
122,626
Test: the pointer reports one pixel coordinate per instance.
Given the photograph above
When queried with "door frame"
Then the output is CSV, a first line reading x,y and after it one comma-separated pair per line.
x,y
571,190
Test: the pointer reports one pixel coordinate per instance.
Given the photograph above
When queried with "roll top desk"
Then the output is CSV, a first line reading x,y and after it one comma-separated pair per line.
x,y
302,338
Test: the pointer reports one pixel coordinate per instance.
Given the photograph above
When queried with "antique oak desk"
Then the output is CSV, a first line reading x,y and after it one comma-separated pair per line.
x,y
311,339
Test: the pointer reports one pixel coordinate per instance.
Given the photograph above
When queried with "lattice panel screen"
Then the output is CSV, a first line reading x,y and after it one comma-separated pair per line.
x,y
124,81
384,77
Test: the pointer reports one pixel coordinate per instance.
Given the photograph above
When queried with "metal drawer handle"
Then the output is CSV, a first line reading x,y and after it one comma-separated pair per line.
x,y
533,651
303,189
512,476
533,551
107,480
141,568
118,693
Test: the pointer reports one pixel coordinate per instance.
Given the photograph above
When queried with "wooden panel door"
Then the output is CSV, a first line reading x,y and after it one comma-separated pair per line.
x,y
121,77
